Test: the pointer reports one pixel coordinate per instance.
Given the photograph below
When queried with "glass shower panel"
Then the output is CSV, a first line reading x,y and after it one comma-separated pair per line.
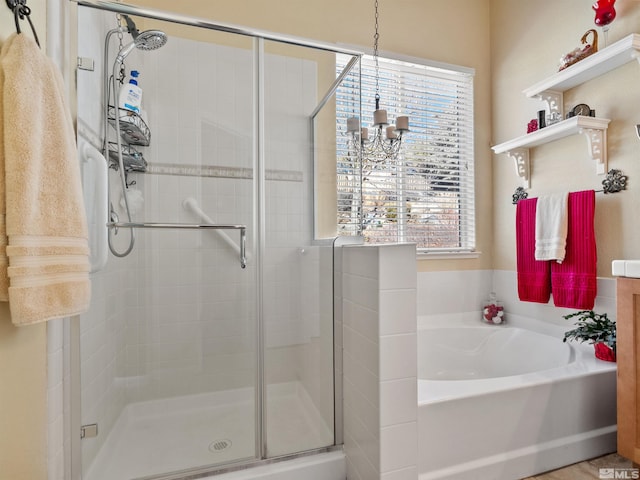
x,y
168,348
297,274
337,164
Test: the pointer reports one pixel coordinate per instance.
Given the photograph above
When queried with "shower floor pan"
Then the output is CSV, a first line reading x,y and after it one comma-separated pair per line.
x,y
178,433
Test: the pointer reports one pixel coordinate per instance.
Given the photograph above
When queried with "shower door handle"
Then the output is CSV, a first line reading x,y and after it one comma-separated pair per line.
x,y
192,226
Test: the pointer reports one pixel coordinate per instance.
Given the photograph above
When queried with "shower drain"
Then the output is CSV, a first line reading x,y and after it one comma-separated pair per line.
x,y
220,445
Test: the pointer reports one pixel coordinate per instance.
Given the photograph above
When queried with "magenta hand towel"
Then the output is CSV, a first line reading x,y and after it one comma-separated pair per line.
x,y
574,280
534,280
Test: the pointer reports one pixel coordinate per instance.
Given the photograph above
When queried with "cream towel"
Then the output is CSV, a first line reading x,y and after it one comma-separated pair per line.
x,y
4,263
45,219
551,227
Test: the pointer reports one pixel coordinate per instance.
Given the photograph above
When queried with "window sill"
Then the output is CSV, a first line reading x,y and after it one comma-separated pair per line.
x,y
447,255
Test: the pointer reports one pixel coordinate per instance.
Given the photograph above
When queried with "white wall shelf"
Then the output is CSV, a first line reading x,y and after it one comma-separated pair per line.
x,y
609,58
551,89
594,129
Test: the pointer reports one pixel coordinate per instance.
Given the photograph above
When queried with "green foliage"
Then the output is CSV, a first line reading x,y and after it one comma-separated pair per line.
x,y
593,328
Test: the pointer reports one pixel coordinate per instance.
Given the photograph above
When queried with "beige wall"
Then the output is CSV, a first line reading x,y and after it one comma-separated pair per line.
x,y
23,355
525,48
511,44
455,31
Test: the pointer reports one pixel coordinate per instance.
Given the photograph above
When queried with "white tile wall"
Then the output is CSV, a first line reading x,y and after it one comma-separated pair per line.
x,y
443,293
399,446
380,361
506,287
453,291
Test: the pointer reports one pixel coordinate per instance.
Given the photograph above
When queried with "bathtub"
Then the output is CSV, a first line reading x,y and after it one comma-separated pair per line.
x,y
508,401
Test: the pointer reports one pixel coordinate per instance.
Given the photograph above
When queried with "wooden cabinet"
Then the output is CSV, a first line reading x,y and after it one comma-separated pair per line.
x,y
628,356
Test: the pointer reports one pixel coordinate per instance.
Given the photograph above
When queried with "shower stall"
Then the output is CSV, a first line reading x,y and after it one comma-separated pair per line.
x,y
209,345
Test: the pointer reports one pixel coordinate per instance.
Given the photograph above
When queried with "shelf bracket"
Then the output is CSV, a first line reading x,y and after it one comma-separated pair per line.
x,y
554,101
597,144
521,158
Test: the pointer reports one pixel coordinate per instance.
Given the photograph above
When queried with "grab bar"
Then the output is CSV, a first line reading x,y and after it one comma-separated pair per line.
x,y
191,203
192,226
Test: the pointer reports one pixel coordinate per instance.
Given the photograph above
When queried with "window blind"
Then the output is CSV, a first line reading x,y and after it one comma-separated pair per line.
x,y
427,195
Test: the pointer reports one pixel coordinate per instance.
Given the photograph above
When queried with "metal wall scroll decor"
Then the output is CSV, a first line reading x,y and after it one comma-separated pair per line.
x,y
615,182
519,194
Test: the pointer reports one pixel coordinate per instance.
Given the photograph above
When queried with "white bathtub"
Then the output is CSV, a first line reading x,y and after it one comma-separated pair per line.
x,y
507,402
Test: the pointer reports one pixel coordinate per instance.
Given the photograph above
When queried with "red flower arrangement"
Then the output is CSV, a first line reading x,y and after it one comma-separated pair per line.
x,y
597,329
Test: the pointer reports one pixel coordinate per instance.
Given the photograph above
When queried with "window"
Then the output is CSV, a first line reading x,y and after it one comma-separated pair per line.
x,y
426,196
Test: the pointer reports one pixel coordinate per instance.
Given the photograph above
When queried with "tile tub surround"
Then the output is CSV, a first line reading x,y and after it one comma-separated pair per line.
x,y
452,292
505,285
380,361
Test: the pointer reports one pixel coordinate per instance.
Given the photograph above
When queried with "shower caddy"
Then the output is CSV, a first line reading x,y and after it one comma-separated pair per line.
x,y
134,131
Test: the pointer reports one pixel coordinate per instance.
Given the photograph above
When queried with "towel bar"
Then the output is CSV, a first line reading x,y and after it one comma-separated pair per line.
x,y
614,182
192,226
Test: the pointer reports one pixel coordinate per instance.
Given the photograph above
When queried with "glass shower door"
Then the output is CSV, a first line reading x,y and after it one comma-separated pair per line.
x,y
297,268
190,363
169,347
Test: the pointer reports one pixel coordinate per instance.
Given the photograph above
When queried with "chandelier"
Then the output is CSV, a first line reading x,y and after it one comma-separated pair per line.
x,y
384,140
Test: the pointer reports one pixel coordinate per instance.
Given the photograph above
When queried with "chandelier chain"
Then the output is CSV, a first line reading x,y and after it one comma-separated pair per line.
x,y
376,37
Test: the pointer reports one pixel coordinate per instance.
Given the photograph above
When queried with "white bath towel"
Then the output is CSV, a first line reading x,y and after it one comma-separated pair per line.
x,y
551,227
45,216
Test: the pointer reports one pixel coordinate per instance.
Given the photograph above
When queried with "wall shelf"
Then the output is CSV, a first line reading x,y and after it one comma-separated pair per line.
x,y
609,58
594,129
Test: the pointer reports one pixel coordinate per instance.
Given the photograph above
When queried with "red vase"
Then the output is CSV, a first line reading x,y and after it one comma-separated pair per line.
x,y
605,12
604,352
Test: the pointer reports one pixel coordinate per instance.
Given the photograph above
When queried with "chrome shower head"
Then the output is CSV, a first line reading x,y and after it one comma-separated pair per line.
x,y
150,40
147,40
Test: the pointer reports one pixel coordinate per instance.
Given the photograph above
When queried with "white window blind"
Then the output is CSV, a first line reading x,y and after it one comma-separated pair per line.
x,y
427,195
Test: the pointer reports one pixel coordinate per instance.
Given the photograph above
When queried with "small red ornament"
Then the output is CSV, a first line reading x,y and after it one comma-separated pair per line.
x,y
605,12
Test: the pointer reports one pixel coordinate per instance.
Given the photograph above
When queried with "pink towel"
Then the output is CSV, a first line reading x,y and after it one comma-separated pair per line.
x,y
574,280
534,280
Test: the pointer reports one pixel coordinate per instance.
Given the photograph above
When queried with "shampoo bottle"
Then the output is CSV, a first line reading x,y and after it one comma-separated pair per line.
x,y
131,94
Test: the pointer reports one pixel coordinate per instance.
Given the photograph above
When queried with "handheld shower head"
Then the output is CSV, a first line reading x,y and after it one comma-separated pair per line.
x,y
147,40
150,40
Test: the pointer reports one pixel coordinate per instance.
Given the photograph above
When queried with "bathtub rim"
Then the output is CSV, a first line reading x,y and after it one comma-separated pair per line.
x,y
583,361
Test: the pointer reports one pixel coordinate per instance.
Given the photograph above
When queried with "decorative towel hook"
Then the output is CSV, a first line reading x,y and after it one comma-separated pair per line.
x,y
615,182
14,3
519,194
20,11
